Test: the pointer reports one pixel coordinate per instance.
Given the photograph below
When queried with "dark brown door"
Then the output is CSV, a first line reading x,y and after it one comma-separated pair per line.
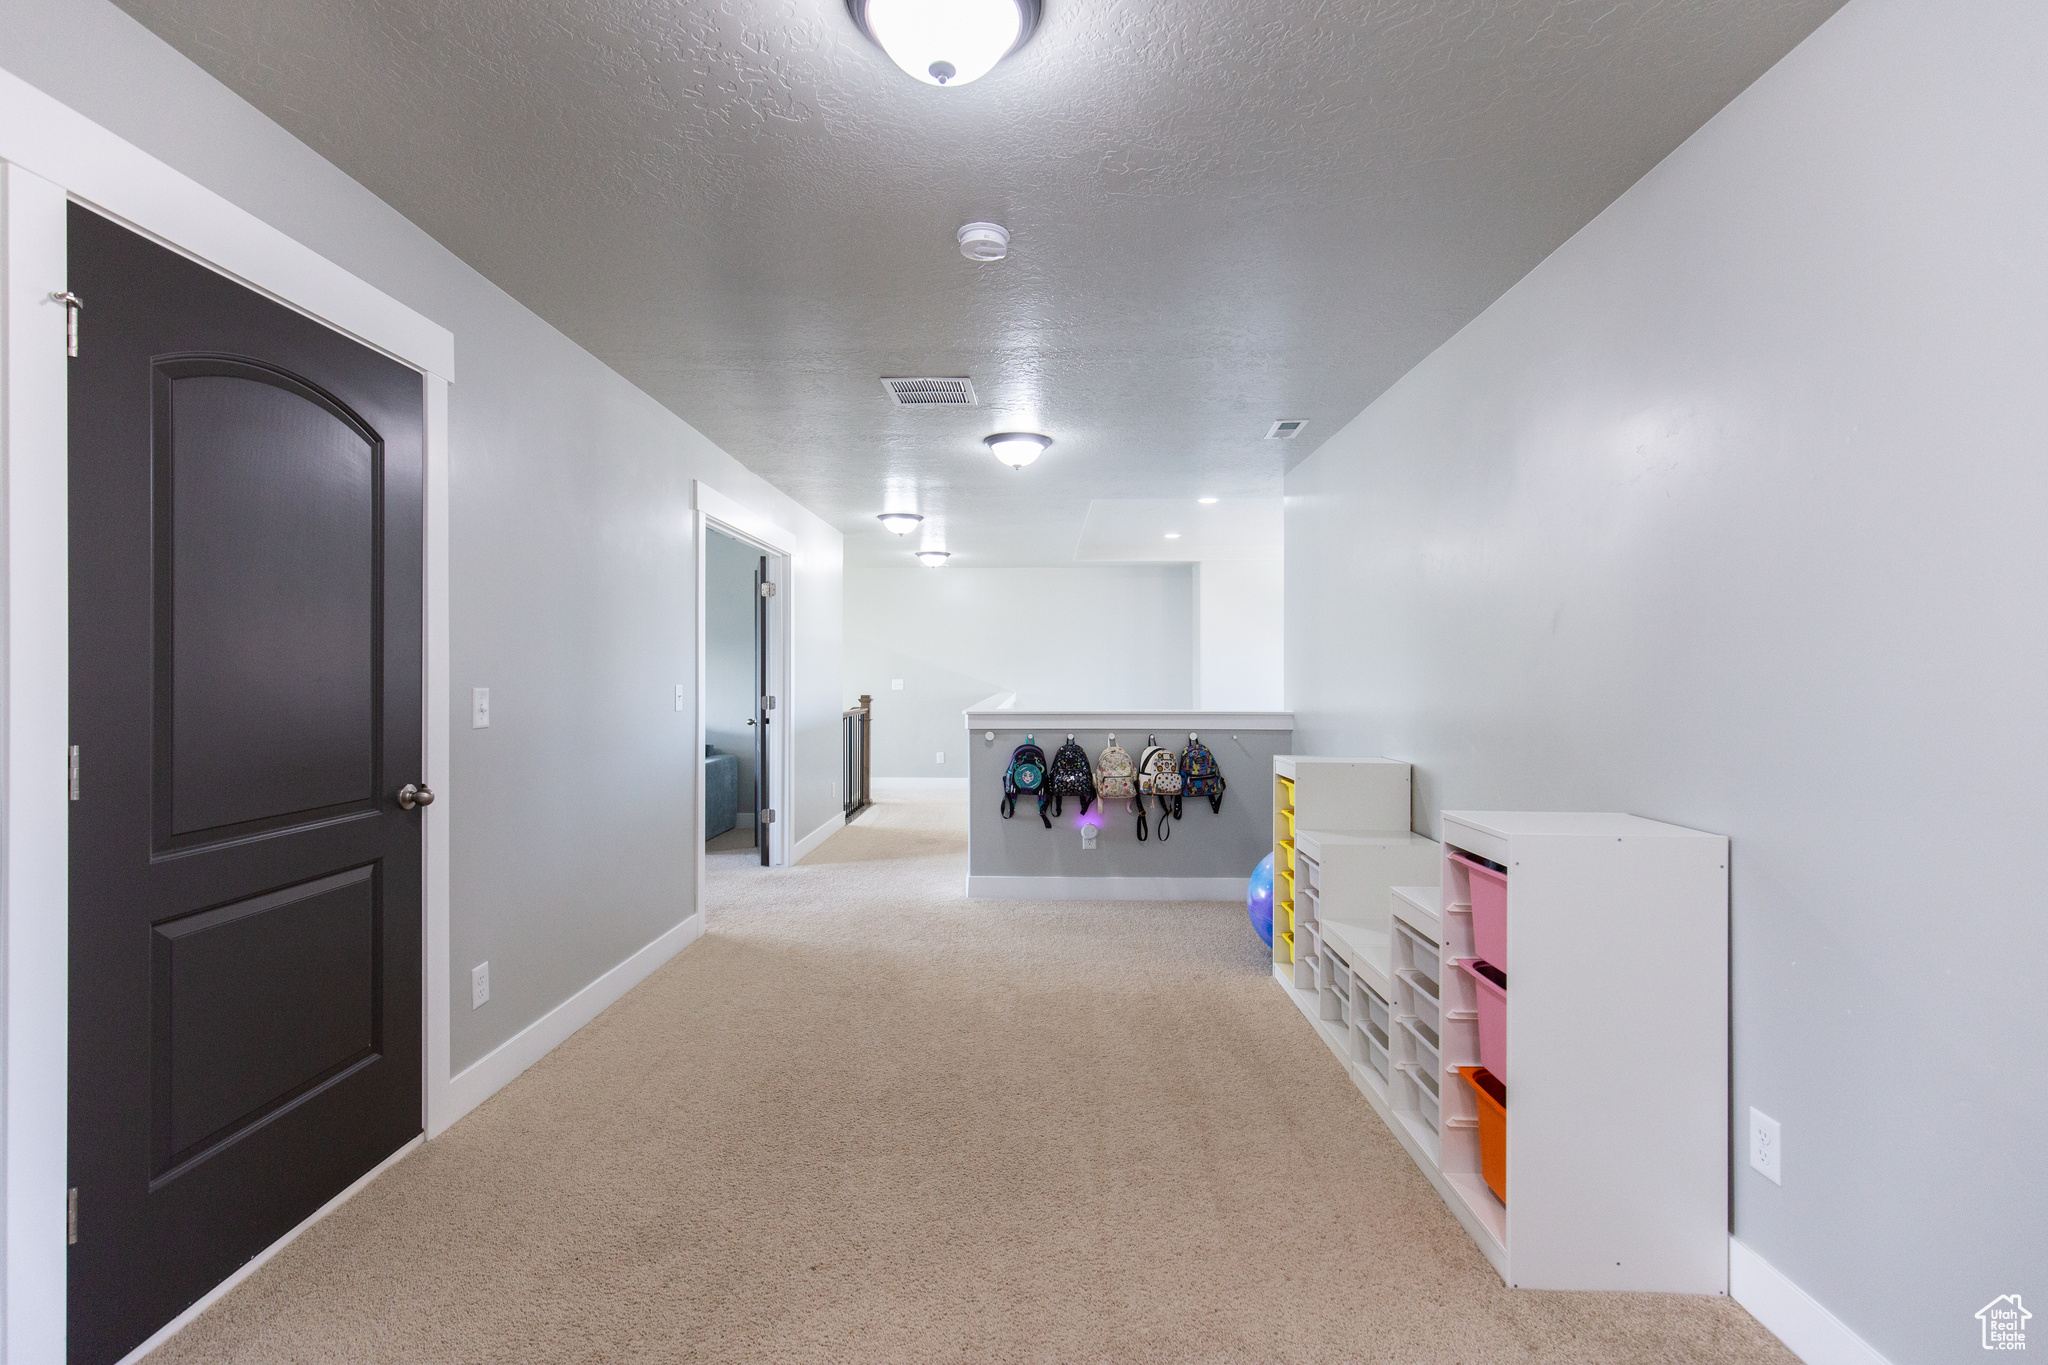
x,y
764,810
245,698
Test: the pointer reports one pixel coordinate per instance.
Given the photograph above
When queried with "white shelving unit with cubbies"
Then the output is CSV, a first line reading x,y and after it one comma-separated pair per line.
x,y
1613,1142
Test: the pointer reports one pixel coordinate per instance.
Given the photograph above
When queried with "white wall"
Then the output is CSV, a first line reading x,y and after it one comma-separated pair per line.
x,y
1240,634
731,661
1731,514
1117,636
572,593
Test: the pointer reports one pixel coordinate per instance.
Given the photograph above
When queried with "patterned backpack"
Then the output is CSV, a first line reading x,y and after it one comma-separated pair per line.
x,y
1070,777
1116,779
1025,777
1199,775
1159,775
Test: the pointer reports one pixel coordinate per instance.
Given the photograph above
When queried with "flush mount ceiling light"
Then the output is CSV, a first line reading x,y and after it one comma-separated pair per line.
x,y
1173,535
984,241
946,42
1016,448
902,523
933,559
1205,501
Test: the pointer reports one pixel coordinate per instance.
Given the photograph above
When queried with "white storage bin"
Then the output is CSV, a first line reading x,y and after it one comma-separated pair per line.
x,y
1377,1014
1425,1051
1422,957
1376,1057
1307,873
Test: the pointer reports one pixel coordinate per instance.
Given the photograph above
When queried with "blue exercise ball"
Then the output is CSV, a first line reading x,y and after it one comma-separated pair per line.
x,y
1258,900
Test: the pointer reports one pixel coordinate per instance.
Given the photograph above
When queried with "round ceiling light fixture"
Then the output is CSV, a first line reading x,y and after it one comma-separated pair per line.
x,y
1016,448
902,523
946,42
984,241
933,559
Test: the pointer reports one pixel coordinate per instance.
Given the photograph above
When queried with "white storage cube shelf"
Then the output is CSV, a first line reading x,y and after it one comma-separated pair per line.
x,y
1617,1113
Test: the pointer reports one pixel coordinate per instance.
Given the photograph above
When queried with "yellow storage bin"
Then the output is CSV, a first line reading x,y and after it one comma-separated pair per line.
x,y
1283,916
1283,949
1283,886
1286,823
1284,786
1283,854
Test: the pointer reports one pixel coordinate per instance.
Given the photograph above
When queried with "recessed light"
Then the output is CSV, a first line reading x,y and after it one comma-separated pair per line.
x,y
902,523
984,241
1205,501
933,559
946,42
1173,535
1016,448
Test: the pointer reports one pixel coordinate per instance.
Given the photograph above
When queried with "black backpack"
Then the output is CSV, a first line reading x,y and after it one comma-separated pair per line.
x,y
1025,777
1071,776
1199,775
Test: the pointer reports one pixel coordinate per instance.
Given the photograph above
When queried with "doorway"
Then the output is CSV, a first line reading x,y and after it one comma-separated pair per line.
x,y
736,725
247,679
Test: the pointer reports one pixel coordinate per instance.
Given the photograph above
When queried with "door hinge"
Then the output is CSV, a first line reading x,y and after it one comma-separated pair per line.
x,y
768,817
71,1216
74,772
767,589
73,306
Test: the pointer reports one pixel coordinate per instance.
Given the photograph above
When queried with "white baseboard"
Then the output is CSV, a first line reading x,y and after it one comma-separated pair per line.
x,y
256,1262
1106,888
1810,1331
810,842
497,1068
918,784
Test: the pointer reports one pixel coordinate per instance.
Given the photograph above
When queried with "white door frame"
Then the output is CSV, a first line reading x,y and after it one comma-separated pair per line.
x,y
713,508
51,155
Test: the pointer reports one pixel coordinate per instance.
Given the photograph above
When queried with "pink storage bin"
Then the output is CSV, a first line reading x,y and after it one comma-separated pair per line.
x,y
1493,1018
1489,913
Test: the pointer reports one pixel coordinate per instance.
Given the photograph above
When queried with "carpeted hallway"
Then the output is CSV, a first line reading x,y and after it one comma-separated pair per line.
x,y
865,1119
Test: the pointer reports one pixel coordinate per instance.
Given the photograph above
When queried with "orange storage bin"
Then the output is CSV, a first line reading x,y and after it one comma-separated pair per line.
x,y
1493,1128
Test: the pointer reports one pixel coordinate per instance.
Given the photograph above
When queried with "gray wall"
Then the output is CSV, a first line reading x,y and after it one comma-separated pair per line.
x,y
1204,843
1731,514
572,593
730,655
1118,637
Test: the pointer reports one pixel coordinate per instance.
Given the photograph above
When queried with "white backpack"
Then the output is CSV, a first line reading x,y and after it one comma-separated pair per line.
x,y
1158,770
1116,777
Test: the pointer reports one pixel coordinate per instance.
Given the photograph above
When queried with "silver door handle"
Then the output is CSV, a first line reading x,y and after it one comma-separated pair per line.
x,y
410,795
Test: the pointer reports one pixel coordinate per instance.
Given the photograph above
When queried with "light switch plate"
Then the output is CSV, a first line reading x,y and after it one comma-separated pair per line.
x,y
895,684
480,708
941,758
682,698
1764,1148
479,985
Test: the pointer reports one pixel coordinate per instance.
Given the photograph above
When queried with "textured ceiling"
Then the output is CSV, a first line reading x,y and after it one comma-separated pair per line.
x,y
1223,213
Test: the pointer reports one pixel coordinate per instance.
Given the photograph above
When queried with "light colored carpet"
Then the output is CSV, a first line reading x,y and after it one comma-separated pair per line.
x,y
866,1119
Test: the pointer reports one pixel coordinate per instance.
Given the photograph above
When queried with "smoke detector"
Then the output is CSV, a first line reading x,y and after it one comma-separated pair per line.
x,y
1286,429
957,392
984,241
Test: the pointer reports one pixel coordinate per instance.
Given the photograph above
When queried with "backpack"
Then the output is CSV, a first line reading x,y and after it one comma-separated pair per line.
x,y
1025,777
1199,775
1159,775
1070,777
1116,779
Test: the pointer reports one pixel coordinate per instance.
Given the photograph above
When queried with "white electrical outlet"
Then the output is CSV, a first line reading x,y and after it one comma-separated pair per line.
x,y
941,758
1087,836
682,698
1764,1146
895,684
480,708
479,984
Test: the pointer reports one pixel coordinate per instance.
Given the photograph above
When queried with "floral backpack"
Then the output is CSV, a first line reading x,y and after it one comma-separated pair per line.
x,y
1199,775
1159,775
1116,779
1025,777
1070,777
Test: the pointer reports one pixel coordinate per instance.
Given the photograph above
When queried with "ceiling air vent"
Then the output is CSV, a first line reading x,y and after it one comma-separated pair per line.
x,y
931,393
1286,429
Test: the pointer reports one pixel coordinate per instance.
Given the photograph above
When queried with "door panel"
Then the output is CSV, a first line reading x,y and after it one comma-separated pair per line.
x,y
270,618
246,577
